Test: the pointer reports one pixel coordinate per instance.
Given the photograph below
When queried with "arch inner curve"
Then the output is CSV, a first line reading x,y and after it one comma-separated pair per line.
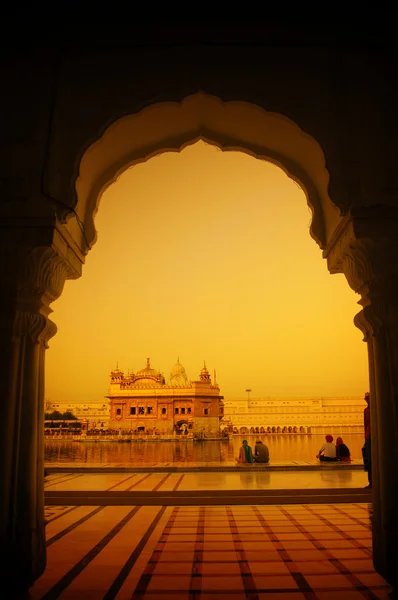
x,y
231,126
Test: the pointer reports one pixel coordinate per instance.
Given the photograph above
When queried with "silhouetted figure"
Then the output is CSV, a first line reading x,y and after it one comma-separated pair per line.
x,y
261,452
367,448
342,451
327,452
245,453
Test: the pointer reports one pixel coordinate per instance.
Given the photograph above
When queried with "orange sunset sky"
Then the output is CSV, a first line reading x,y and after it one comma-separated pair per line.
x,y
206,255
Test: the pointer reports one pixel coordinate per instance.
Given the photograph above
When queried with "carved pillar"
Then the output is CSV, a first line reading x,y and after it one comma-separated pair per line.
x,y
365,249
34,263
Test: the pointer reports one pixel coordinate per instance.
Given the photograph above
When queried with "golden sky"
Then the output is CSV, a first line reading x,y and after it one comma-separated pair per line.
x,y
206,255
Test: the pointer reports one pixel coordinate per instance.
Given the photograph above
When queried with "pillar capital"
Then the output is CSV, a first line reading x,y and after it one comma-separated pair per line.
x,y
364,247
40,280
35,261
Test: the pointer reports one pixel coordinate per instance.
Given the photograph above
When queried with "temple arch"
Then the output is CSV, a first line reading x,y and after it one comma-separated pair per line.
x,y
231,126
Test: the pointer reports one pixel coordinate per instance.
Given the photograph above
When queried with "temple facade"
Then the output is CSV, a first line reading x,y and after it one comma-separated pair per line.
x,y
146,402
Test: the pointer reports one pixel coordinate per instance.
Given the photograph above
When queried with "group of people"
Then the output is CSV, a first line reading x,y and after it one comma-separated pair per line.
x,y
261,453
330,452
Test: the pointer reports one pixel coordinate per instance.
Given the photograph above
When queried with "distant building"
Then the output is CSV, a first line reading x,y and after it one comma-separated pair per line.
x,y
277,415
96,414
145,401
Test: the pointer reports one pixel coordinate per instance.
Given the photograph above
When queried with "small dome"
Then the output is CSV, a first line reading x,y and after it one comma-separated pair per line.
x,y
178,376
204,374
117,373
178,369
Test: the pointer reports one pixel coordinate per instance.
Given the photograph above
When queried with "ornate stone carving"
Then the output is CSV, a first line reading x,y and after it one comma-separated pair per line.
x,y
368,322
40,281
365,248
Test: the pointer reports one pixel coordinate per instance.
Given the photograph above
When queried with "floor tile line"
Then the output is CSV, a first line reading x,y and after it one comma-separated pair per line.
x,y
67,579
137,482
267,530
120,482
356,521
343,533
304,587
178,482
73,526
351,577
67,478
55,477
69,510
145,578
195,584
161,482
132,559
354,581
361,507
309,536
244,566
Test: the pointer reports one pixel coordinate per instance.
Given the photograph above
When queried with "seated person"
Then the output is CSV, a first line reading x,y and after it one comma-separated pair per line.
x,y
261,452
342,451
245,453
327,453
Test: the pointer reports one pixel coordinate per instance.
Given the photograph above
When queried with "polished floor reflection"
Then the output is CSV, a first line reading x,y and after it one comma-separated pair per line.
x,y
295,552
244,480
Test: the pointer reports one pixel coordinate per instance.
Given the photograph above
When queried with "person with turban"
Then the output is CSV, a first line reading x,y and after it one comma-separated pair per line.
x,y
327,452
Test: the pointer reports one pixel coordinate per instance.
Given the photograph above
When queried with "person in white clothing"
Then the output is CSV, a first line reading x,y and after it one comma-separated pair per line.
x,y
327,453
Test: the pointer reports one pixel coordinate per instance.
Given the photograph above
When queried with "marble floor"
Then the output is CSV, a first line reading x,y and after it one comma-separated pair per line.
x,y
283,552
274,465
170,481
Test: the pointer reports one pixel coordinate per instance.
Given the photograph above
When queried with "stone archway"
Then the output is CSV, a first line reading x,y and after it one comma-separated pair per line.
x,y
170,126
362,244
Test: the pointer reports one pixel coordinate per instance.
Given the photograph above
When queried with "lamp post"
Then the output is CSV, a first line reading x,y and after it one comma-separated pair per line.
x,y
248,395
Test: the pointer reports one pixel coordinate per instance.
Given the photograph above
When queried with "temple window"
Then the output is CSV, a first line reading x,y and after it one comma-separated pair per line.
x,y
189,410
163,411
206,411
141,410
176,411
149,410
132,410
183,411
118,411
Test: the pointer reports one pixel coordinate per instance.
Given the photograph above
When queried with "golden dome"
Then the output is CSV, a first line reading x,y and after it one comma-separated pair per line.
x,y
148,371
147,376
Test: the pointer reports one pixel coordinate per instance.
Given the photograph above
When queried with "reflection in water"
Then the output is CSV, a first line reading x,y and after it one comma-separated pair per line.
x,y
281,447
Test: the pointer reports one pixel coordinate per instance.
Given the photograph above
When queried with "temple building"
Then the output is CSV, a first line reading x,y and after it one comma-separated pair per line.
x,y
145,402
